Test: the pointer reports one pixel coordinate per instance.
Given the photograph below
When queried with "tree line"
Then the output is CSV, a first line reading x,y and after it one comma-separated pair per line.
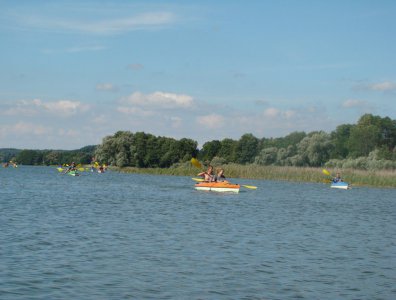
x,y
368,144
48,157
371,143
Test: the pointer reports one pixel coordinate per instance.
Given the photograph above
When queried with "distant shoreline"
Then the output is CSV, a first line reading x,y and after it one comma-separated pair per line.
x,y
355,177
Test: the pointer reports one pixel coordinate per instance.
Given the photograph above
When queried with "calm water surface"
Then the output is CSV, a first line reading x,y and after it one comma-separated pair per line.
x,y
126,236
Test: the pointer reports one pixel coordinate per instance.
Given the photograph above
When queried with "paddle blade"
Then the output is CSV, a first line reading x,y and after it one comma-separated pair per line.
x,y
196,163
326,172
197,179
252,187
60,169
81,169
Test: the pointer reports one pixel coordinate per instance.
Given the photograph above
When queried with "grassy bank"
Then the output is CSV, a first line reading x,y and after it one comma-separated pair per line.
x,y
355,177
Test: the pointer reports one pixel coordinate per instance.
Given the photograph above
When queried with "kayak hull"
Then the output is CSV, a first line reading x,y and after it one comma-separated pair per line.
x,y
73,173
221,187
340,185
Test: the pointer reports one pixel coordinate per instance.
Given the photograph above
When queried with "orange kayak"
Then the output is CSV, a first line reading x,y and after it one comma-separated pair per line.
x,y
221,186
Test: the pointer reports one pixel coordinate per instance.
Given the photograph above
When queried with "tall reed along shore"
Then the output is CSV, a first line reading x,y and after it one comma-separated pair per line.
x,y
378,178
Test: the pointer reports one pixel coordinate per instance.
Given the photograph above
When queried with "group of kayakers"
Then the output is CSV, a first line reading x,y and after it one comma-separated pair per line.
x,y
12,163
73,168
70,168
209,175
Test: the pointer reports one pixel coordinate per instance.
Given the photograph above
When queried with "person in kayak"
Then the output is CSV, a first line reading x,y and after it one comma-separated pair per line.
x,y
220,175
337,178
70,168
208,174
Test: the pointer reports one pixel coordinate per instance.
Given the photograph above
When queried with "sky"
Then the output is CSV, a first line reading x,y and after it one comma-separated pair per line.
x,y
73,72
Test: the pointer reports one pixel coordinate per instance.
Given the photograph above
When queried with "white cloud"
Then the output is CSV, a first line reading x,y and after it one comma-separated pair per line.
x,y
19,110
176,122
140,21
36,106
289,114
76,49
64,107
383,86
211,121
106,87
271,112
159,100
135,111
99,119
24,128
350,103
68,133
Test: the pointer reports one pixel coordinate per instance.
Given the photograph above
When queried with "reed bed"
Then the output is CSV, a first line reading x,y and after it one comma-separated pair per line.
x,y
382,178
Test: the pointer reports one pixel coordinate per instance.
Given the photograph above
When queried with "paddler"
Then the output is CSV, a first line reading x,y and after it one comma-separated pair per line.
x,y
70,168
208,174
220,175
337,178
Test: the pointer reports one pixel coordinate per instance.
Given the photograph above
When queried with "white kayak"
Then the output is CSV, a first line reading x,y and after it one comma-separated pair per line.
x,y
340,185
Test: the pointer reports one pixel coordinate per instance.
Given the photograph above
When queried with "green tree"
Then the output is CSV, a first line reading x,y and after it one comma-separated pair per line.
x,y
363,139
29,157
314,149
210,150
246,149
340,138
227,150
267,156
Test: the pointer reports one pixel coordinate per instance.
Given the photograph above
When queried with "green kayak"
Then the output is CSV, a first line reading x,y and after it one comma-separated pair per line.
x,y
73,173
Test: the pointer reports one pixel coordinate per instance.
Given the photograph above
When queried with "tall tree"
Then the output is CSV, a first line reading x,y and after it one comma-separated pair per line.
x,y
363,139
340,138
315,149
210,150
227,150
246,149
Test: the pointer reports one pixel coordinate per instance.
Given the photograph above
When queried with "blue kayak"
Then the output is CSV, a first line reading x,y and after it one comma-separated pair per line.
x,y
340,185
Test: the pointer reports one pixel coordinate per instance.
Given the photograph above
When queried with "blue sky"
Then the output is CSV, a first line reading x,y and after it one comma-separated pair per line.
x,y
72,72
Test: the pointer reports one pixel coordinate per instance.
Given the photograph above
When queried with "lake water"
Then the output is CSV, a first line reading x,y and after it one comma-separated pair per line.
x,y
128,236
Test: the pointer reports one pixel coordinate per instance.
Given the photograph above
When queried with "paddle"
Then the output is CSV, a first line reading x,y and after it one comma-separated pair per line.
x,y
198,179
324,171
196,163
252,187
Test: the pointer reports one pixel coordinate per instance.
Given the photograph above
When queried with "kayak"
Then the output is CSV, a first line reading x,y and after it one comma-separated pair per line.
x,y
73,173
340,185
221,186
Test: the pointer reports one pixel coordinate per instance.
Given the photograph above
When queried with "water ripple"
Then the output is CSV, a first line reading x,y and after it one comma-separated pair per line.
x,y
123,236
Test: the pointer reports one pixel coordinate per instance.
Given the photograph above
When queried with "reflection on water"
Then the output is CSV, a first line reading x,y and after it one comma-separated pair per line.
x,y
114,236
